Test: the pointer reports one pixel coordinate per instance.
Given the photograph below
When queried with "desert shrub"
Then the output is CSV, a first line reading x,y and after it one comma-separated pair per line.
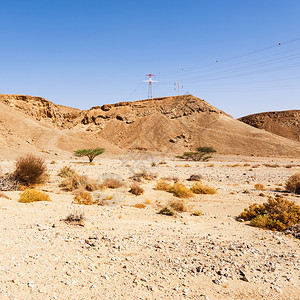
x,y
53,162
143,175
8,183
75,219
197,213
178,205
201,154
256,166
147,201
90,153
84,198
112,183
30,170
259,187
76,181
171,178
272,165
153,164
65,172
261,195
162,185
275,214
195,177
246,165
136,189
167,210
180,190
293,184
140,205
199,188
31,195
2,195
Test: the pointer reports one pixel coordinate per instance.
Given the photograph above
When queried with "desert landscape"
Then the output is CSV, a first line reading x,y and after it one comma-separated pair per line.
x,y
141,220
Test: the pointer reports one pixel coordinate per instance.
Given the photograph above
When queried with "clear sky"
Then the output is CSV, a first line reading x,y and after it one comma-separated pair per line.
x,y
91,52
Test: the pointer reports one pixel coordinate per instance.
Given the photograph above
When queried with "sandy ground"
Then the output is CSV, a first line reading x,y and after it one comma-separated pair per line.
x,y
124,252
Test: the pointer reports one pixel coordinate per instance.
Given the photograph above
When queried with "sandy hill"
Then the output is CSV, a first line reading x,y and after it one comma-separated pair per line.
x,y
169,124
283,123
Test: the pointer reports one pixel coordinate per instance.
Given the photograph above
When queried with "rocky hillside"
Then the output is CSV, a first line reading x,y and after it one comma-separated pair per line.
x,y
283,123
168,124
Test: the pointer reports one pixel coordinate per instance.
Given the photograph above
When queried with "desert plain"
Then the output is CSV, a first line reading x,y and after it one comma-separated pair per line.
x,y
124,252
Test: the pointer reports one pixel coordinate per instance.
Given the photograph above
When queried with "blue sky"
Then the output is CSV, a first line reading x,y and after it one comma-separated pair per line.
x,y
92,52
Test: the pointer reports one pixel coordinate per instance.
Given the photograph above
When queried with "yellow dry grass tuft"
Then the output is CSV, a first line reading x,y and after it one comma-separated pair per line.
x,y
181,191
199,188
31,195
84,198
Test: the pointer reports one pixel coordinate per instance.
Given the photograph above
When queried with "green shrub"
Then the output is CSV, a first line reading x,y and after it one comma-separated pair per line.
x,y
90,153
201,154
31,195
30,170
199,188
275,214
181,191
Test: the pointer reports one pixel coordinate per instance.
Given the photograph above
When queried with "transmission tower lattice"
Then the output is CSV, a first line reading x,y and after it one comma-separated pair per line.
x,y
150,80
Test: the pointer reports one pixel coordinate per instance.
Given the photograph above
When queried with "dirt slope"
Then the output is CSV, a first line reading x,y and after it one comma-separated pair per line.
x,y
20,134
169,124
283,123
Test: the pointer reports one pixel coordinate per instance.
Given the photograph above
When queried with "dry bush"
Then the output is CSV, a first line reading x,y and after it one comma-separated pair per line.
x,y
246,165
256,166
199,188
2,195
143,175
136,189
140,205
181,191
77,181
66,172
171,178
293,184
112,183
261,195
30,170
147,201
75,219
275,214
167,210
195,177
178,205
288,166
31,195
272,165
259,187
162,185
197,213
84,198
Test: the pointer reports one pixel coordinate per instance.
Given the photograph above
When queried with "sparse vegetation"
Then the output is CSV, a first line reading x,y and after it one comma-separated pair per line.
x,y
167,210
75,181
199,188
90,153
181,191
84,198
293,184
275,214
30,170
8,183
112,183
162,185
259,187
31,195
201,154
197,213
195,177
143,175
140,205
135,189
178,205
66,172
75,219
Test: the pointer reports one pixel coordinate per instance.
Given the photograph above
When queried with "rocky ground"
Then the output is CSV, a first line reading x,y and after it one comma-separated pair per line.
x,y
123,252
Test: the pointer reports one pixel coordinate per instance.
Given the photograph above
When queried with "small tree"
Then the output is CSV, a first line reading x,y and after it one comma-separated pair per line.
x,y
90,153
201,154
